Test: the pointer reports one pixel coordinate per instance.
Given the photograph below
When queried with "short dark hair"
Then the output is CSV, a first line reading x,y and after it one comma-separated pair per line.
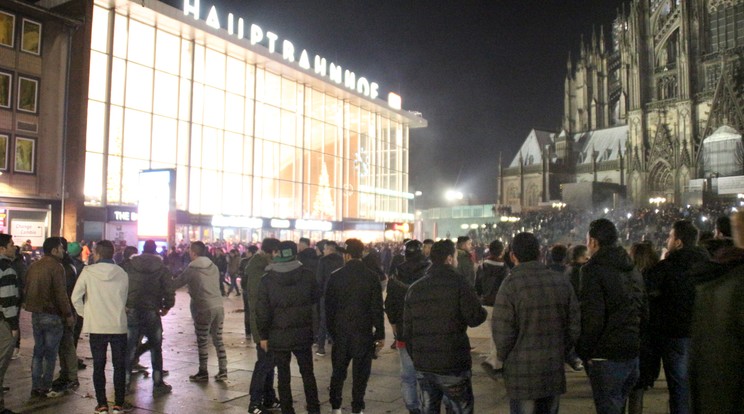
x,y
723,224
525,247
441,250
199,248
331,243
150,247
428,241
576,251
462,239
604,231
129,251
686,232
558,253
495,248
253,248
305,240
270,245
5,239
105,249
50,244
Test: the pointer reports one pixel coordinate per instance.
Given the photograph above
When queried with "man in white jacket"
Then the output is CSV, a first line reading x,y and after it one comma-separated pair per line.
x,y
100,295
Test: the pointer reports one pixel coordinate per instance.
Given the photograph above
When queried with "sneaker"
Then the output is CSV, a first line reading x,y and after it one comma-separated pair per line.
x,y
272,405
221,376
161,388
577,366
59,383
138,368
320,352
201,376
55,393
124,408
39,393
101,409
166,372
16,353
255,409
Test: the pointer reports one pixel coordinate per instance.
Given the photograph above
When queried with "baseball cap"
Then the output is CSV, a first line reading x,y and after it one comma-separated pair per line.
x,y
354,247
286,252
74,249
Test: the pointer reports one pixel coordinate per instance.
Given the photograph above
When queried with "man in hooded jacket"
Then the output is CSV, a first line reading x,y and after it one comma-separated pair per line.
x,y
207,309
284,318
150,296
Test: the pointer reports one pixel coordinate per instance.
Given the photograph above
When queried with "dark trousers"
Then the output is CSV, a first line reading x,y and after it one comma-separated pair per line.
x,y
98,346
305,361
360,355
246,313
68,361
262,380
145,322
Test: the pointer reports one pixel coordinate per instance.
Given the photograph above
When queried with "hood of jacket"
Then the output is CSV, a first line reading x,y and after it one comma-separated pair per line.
x,y
613,256
102,271
413,270
687,256
289,275
147,262
201,262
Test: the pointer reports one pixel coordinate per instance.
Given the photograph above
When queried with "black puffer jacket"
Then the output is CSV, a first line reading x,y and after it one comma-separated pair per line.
x,y
438,310
309,259
149,283
411,270
613,303
353,305
327,265
284,309
488,279
671,292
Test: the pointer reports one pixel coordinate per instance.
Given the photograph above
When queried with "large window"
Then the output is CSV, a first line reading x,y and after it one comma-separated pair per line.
x,y
727,27
244,139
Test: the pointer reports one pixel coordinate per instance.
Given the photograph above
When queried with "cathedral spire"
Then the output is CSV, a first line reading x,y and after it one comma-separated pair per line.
x,y
569,64
582,49
601,40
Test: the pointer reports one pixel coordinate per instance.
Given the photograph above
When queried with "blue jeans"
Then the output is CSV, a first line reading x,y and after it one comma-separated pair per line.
x,y
262,380
48,331
455,391
675,353
145,322
611,383
408,384
546,405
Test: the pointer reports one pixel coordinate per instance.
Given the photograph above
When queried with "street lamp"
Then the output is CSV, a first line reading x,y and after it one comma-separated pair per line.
x,y
453,195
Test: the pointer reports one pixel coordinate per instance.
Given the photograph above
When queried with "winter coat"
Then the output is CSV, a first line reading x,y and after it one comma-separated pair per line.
x,y
202,277
100,297
465,266
309,259
536,322
671,292
284,309
254,271
488,279
353,305
45,290
233,266
408,272
327,265
573,273
149,283
612,302
438,310
717,351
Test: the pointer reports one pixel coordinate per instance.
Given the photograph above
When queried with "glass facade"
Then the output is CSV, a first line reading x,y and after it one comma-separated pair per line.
x,y
244,136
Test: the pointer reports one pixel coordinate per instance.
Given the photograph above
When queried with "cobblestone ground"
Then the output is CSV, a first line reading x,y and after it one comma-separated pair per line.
x,y
180,358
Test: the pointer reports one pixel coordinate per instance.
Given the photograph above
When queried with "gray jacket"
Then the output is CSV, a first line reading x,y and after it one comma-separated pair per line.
x,y
203,279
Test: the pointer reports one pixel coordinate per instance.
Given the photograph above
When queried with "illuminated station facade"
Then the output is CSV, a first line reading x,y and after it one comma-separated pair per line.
x,y
261,138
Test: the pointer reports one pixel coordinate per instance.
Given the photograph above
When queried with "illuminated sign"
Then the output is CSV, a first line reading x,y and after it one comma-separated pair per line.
x,y
122,215
237,221
279,223
401,227
154,206
3,217
313,225
320,66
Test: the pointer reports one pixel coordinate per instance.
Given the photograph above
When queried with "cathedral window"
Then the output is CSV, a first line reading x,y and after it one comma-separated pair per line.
x,y
727,27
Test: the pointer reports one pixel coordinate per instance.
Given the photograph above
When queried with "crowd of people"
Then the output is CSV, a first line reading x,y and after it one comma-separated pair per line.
x,y
618,304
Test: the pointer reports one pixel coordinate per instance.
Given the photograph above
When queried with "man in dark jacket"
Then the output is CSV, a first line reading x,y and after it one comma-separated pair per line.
x,y
441,351
612,302
329,263
671,294
536,321
284,318
465,265
411,270
307,255
356,322
717,333
150,296
488,278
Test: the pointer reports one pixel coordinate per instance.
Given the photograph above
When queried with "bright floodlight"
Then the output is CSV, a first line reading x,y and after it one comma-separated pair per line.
x,y
452,195
418,193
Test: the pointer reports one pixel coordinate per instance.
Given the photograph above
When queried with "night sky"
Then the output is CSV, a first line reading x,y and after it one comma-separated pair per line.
x,y
482,73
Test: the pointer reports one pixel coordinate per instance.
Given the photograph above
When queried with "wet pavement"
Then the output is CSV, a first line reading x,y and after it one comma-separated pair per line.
x,y
181,359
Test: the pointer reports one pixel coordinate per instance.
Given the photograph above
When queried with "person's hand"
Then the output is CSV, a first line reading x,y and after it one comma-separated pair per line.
x,y
14,333
164,312
265,345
